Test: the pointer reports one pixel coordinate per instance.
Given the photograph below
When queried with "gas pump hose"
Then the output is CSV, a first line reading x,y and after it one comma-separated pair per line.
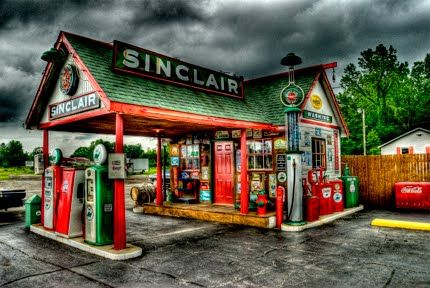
x,y
294,189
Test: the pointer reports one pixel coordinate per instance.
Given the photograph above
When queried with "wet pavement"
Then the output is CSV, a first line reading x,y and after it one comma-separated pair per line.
x,y
186,253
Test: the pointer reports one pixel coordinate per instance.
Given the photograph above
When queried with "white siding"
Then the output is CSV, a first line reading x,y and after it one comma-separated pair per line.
x,y
309,131
419,143
58,96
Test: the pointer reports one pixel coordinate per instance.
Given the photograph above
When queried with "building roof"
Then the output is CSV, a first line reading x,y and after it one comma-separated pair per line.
x,y
261,102
404,135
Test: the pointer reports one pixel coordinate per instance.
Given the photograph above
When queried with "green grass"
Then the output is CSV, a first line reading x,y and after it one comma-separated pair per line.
x,y
5,172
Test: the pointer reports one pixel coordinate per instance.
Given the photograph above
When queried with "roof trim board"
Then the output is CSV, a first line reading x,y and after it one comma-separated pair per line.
x,y
404,135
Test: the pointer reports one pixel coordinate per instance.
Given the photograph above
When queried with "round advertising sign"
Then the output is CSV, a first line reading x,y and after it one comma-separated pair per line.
x,y
69,80
316,101
100,154
292,95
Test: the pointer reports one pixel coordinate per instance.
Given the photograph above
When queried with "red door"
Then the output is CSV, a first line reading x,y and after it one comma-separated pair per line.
x,y
224,173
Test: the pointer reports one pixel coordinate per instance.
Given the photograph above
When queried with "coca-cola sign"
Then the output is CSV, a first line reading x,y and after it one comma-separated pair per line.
x,y
412,189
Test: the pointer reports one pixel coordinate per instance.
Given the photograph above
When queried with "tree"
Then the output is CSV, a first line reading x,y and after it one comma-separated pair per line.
x,y
394,98
133,151
87,152
12,154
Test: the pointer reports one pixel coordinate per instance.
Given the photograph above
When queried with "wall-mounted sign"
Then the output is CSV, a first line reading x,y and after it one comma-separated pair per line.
x,y
316,101
281,162
69,79
292,95
222,135
282,177
235,133
248,132
74,105
280,144
174,161
317,116
116,166
138,61
270,133
272,185
257,133
174,150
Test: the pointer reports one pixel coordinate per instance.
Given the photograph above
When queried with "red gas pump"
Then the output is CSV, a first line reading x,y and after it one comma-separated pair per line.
x,y
323,189
337,195
71,203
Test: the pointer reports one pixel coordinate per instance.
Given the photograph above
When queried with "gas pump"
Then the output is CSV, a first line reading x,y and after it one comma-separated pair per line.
x,y
98,201
70,203
322,189
51,191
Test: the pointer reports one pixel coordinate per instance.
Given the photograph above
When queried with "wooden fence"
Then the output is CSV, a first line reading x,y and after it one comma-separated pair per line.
x,y
378,173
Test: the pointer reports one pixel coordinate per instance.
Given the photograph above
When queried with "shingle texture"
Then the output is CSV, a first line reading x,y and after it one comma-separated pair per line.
x,y
260,104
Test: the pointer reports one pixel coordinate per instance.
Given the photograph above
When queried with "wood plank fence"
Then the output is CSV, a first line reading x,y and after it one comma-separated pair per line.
x,y
378,173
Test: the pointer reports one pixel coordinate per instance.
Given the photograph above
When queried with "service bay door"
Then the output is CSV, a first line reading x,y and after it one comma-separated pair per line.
x,y
224,173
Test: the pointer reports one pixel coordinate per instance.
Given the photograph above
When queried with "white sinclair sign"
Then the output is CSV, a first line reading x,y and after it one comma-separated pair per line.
x,y
74,105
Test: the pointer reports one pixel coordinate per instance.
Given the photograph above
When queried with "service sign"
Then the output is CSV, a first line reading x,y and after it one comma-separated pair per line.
x,y
74,105
317,116
138,61
116,166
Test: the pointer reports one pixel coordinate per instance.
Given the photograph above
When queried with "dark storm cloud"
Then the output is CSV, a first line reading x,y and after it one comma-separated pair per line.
x,y
244,37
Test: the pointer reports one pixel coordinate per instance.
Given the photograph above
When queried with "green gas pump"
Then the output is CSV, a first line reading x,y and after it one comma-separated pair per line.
x,y
98,200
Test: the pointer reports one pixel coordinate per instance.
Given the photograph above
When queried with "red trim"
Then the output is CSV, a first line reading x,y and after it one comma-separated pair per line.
x,y
296,72
428,150
172,115
336,105
244,194
159,193
308,95
330,65
46,72
311,122
71,119
119,227
398,150
85,70
411,150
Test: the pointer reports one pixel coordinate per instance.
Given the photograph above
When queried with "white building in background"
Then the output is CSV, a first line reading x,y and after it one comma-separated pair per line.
x,y
416,141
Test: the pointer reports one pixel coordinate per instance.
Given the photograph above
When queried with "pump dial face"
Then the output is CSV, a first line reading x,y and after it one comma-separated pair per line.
x,y
100,154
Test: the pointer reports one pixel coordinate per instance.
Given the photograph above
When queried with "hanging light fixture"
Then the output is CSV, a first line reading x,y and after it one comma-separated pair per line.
x,y
54,55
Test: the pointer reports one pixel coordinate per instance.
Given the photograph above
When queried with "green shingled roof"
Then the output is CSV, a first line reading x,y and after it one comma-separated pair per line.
x,y
261,103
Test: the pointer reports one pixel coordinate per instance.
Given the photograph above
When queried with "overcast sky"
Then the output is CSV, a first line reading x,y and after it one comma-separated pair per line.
x,y
245,37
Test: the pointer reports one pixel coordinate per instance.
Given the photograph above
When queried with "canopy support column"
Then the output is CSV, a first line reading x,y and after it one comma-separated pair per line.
x,y
244,194
159,191
119,237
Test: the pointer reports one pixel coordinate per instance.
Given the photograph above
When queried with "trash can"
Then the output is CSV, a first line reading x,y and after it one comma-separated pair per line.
x,y
351,191
32,210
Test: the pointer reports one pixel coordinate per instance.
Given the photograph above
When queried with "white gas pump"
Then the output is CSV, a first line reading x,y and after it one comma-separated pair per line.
x,y
51,191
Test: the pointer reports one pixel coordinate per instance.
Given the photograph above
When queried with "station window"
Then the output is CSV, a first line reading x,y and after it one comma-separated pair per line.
x,y
190,157
318,153
260,154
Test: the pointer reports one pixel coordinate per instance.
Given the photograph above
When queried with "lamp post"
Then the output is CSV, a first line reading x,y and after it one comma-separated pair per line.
x,y
363,113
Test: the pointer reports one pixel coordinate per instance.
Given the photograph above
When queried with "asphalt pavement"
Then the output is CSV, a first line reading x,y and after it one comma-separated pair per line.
x,y
189,253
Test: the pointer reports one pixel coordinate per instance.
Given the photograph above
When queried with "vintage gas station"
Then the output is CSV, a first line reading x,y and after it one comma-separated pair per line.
x,y
262,152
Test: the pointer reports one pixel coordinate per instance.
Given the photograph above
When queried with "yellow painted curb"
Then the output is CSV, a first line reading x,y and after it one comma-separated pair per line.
x,y
400,224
